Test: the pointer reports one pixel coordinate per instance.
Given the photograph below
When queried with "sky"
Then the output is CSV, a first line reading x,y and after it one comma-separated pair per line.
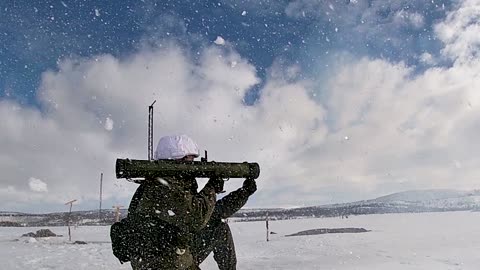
x,y
336,100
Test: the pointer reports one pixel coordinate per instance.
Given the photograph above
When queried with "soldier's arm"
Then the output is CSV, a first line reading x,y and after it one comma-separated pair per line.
x,y
230,204
203,204
136,199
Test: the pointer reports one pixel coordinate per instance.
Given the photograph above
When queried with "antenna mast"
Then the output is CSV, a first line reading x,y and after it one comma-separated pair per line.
x,y
150,131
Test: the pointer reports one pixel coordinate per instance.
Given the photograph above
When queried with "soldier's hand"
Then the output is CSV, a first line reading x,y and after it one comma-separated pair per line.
x,y
217,184
250,186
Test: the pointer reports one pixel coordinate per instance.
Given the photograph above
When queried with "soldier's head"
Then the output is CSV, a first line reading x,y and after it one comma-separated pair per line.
x,y
177,147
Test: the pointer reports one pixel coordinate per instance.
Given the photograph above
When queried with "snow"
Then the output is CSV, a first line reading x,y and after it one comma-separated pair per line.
x,y
163,182
448,240
30,240
108,124
219,41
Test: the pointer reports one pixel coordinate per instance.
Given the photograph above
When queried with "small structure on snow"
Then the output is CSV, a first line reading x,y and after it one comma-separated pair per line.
x,y
41,233
326,231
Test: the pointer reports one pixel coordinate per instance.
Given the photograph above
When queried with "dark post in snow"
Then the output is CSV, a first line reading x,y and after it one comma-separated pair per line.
x,y
68,219
266,225
150,131
100,208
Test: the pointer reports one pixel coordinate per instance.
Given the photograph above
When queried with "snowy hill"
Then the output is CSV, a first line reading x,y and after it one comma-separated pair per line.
x,y
435,198
414,201
427,195
14,219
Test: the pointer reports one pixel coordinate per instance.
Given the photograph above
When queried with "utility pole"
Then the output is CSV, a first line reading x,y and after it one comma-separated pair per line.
x,y
68,219
150,131
100,208
117,212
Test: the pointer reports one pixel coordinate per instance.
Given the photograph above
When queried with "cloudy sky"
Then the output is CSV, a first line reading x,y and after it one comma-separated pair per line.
x,y
337,100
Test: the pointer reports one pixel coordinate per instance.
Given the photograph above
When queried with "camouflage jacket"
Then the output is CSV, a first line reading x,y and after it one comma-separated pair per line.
x,y
169,212
229,205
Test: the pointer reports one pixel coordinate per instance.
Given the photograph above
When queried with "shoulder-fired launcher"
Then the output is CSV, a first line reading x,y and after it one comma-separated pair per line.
x,y
131,168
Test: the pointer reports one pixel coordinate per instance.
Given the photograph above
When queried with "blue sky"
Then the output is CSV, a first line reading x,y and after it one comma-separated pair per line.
x,y
337,100
36,34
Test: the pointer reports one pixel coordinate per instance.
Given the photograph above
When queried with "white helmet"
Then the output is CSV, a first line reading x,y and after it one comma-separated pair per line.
x,y
176,147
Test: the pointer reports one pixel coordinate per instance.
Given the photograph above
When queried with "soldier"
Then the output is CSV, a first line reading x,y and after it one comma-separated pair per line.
x,y
170,212
180,226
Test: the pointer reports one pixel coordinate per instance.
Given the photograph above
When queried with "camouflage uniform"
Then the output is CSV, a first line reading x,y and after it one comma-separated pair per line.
x,y
180,226
216,236
169,214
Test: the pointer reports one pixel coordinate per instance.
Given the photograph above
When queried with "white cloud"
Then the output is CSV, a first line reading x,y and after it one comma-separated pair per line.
x,y
37,185
69,144
399,126
460,31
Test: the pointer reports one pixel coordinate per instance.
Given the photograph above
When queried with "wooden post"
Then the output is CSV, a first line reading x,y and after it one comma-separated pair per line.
x,y
100,208
117,212
266,225
68,219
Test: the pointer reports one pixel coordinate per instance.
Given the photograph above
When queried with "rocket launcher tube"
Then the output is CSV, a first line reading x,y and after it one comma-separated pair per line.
x,y
131,168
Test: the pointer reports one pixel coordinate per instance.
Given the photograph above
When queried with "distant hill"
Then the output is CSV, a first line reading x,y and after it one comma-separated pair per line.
x,y
92,217
427,195
414,201
441,198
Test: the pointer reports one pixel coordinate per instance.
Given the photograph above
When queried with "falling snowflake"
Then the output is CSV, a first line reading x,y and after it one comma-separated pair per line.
x,y
219,41
163,182
108,124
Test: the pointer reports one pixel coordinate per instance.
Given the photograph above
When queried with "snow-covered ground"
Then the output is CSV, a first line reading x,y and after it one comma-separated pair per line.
x,y
449,240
